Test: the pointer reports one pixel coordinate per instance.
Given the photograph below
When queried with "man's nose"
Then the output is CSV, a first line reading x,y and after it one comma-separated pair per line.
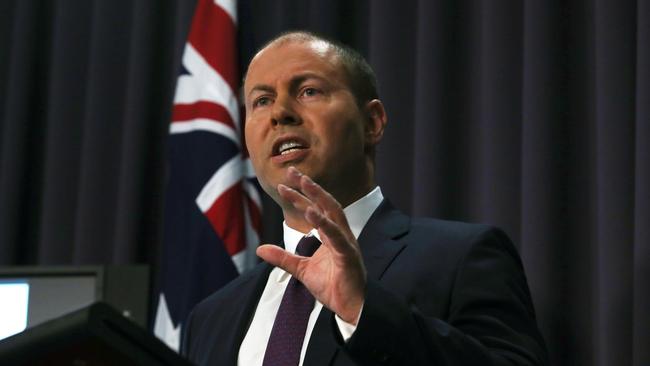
x,y
283,112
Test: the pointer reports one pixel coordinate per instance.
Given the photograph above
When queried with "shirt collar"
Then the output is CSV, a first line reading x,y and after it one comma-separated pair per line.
x,y
357,213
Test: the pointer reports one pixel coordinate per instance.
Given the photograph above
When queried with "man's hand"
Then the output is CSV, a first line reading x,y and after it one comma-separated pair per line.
x,y
335,274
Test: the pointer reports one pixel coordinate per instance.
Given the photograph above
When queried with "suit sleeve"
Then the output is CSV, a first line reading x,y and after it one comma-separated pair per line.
x,y
491,319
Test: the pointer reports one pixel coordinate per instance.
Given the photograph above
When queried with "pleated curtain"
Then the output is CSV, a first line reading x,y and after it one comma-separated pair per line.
x,y
530,115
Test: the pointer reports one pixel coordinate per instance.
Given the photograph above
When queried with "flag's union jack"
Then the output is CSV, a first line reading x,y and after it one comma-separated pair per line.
x,y
212,209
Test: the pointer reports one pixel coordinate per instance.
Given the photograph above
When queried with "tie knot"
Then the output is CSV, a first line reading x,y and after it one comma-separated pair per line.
x,y
307,246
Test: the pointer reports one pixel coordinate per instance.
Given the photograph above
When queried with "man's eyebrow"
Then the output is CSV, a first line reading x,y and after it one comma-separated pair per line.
x,y
300,78
261,87
293,83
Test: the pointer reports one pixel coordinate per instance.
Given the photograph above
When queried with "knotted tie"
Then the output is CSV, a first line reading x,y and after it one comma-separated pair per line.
x,y
290,323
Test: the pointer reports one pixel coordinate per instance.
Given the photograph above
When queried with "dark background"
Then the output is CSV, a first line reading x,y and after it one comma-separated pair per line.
x,y
530,115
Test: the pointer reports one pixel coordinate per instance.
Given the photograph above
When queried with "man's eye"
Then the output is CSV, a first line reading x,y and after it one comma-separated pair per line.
x,y
261,101
310,92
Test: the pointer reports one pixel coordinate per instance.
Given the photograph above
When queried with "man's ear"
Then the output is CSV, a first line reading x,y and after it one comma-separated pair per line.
x,y
376,122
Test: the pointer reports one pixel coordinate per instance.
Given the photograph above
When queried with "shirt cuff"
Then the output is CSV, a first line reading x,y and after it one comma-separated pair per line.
x,y
346,329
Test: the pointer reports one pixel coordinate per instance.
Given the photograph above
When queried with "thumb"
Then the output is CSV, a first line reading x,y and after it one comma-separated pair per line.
x,y
279,257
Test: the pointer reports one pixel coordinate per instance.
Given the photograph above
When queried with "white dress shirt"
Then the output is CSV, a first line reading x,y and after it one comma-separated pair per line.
x,y
253,347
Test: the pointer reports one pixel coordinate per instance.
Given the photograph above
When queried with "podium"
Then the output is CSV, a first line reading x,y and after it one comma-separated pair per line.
x,y
93,336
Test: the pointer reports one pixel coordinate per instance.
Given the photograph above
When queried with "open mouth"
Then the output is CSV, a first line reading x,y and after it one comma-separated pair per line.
x,y
286,146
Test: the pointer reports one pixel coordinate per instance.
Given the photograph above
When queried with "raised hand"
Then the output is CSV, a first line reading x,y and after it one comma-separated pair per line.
x,y
335,274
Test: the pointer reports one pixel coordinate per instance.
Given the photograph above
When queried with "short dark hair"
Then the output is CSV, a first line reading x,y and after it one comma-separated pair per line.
x,y
361,77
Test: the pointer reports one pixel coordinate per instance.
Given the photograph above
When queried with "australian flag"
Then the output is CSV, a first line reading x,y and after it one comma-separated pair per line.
x,y
212,206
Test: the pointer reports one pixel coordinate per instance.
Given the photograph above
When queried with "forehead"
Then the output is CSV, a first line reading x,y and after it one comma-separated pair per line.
x,y
291,58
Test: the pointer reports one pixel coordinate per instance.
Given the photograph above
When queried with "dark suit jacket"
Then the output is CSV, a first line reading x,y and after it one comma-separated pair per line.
x,y
438,293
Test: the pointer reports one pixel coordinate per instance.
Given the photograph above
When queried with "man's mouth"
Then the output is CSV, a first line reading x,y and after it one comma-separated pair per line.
x,y
289,149
288,145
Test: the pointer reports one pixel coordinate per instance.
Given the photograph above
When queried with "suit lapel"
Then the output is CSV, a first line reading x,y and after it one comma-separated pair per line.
x,y
379,238
243,314
322,344
379,246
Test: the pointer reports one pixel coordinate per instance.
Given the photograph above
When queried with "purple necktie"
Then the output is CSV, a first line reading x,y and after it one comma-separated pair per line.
x,y
291,320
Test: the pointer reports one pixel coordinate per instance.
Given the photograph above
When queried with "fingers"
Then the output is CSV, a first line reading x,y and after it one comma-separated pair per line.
x,y
313,195
321,210
291,190
294,197
318,195
293,177
324,200
279,257
331,233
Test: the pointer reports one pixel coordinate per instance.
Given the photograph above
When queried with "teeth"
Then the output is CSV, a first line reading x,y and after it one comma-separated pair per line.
x,y
288,146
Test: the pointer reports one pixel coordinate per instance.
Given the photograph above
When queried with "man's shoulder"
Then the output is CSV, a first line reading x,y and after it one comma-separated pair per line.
x,y
231,291
218,313
433,233
449,230
455,236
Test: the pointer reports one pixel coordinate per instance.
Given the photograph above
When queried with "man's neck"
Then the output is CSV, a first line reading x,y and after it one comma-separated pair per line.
x,y
295,219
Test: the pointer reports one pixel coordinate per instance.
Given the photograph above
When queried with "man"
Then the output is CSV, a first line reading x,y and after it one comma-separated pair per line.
x,y
388,289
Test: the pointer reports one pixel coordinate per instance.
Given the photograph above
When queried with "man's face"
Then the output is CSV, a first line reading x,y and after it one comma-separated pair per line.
x,y
300,112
